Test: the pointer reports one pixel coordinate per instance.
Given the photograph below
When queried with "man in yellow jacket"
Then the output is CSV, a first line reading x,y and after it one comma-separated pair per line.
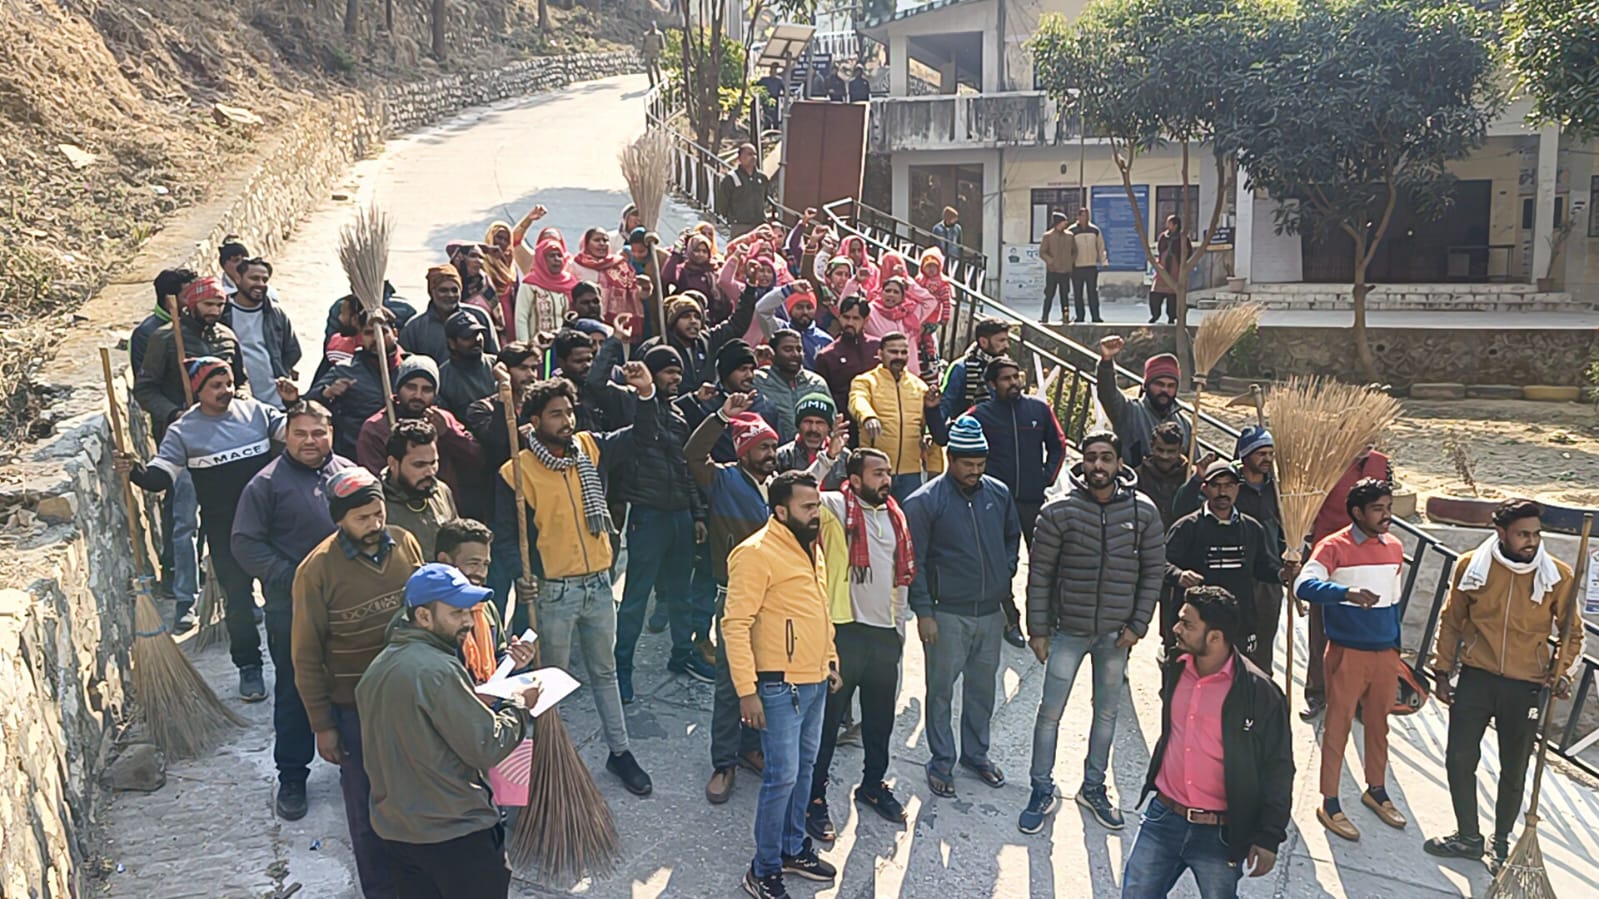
x,y
1506,597
778,636
893,408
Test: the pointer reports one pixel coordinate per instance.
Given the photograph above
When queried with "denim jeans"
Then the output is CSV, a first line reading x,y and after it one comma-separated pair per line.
x,y
371,854
1167,845
729,737
792,735
581,608
967,648
660,555
185,554
293,741
1066,653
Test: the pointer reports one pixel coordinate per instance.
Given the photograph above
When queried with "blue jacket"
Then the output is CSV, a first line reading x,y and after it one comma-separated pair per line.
x,y
1025,445
282,516
966,546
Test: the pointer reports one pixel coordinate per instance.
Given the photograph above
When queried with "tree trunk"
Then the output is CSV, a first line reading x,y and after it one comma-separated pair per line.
x,y
544,16
352,18
388,15
1363,356
440,11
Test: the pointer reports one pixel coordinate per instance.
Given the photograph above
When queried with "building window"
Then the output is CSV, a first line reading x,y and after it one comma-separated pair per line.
x,y
1169,201
1049,200
1593,204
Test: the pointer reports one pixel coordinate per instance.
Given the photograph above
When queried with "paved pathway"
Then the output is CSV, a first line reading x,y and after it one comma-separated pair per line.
x,y
211,832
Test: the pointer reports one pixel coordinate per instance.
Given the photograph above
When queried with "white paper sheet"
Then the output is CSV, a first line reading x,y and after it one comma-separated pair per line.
x,y
508,663
554,684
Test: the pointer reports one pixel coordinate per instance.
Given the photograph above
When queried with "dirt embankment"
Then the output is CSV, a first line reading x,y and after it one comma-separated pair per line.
x,y
109,121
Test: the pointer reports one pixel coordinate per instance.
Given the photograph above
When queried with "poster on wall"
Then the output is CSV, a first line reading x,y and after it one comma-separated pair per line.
x,y
1022,274
1124,232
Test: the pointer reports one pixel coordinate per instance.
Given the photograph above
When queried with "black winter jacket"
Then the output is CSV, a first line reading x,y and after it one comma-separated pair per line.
x,y
1257,756
658,477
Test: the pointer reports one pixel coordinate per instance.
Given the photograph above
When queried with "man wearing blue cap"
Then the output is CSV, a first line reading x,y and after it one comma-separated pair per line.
x,y
428,739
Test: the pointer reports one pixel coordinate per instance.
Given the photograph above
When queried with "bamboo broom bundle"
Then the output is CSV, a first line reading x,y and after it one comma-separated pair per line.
x,y
646,165
364,253
566,831
183,715
210,612
1317,426
1217,332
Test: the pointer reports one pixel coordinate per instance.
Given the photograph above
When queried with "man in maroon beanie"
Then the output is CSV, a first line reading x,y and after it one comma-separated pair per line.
x,y
1135,420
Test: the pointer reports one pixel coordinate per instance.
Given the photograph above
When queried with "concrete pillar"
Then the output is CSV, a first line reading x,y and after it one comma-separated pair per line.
x,y
993,208
1244,228
1544,207
899,66
900,188
1578,279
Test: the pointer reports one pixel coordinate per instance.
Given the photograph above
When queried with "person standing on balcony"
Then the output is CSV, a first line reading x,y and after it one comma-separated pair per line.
x,y
1056,251
650,49
742,194
860,90
949,233
837,86
1088,257
1494,632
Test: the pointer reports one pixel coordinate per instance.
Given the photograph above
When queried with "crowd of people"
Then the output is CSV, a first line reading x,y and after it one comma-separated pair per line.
x,y
768,428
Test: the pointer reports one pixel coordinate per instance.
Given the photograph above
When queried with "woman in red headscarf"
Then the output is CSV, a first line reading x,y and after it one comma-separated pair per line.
x,y
759,271
546,289
931,278
693,266
866,277
892,311
619,286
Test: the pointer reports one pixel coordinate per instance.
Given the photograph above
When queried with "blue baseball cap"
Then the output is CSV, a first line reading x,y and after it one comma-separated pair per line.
x,y
438,582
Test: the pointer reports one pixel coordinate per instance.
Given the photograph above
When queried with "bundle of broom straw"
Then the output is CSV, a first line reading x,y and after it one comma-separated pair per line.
x,y
646,164
1217,332
364,253
1318,425
181,712
566,831
1523,875
211,612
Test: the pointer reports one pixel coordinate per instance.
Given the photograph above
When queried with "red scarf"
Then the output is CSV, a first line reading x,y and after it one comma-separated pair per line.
x,y
539,275
860,556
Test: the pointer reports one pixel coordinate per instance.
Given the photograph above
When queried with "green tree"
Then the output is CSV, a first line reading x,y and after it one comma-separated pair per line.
x,y
1553,49
1353,107
1149,73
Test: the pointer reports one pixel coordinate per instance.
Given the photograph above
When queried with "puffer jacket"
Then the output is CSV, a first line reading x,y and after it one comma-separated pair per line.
x,y
897,406
1095,568
658,478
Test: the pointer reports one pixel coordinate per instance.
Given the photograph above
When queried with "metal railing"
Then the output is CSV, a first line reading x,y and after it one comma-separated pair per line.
x,y
966,265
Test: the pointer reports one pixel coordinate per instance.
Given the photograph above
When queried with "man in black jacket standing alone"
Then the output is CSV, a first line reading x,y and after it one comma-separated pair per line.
x,y
1222,774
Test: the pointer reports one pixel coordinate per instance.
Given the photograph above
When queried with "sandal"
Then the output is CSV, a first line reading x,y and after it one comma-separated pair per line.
x,y
988,774
940,785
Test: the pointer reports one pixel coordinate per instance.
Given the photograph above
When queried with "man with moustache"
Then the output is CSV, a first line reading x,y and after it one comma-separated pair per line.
x,y
282,515
786,380
469,545
1506,597
1134,421
818,424
798,302
686,333
735,373
265,334
353,390
469,375
1165,470
852,354
485,418
429,739
345,595
601,404
417,500
460,457
159,384
893,408
425,333
1092,584
783,664
964,384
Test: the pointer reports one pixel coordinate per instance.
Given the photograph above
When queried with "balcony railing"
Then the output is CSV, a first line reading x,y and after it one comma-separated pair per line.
x,y
960,121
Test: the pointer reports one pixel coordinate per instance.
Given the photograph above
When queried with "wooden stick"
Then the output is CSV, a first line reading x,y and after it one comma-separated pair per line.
x,y
135,533
183,356
1193,435
383,368
522,543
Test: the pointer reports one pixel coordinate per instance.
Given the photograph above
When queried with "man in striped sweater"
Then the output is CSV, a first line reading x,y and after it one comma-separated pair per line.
x,y
1353,575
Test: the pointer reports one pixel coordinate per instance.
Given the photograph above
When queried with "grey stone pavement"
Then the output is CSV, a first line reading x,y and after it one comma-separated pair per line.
x,y
211,831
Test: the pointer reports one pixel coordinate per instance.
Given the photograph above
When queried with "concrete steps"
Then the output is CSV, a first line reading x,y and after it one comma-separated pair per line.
x,y
1508,298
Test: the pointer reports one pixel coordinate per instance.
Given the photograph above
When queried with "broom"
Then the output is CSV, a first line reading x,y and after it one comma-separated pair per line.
x,y
182,714
1216,334
1317,426
1523,875
645,163
364,253
566,831
210,612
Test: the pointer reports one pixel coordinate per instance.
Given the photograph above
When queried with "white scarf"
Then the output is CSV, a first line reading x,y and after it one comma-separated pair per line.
x,y
1542,568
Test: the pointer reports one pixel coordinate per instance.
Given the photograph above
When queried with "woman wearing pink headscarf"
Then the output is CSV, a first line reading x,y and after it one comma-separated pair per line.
x,y
866,277
893,311
760,271
931,279
546,289
619,286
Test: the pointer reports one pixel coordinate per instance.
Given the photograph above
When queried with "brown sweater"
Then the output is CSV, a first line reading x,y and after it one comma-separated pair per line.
x,y
342,610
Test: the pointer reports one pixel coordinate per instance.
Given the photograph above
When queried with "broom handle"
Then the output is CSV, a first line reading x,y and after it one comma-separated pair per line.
x,y
1193,435
383,370
1577,575
509,402
1290,555
183,356
121,444
659,294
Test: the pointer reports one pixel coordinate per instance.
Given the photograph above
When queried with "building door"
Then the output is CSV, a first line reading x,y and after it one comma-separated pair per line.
x,y
933,187
1415,249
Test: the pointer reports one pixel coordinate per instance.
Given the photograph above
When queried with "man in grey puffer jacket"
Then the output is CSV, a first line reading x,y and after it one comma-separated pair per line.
x,y
1098,560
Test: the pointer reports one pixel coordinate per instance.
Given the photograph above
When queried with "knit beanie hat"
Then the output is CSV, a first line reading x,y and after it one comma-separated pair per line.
x,y
734,355
660,358
966,438
1163,365
815,405
201,369
350,489
679,306
798,297
416,365
1250,439
749,429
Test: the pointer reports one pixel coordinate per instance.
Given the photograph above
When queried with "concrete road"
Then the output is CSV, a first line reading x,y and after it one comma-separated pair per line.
x,y
211,832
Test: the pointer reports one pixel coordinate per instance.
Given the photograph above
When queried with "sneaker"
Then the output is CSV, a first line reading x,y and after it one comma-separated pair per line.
x,y
291,800
626,768
1314,706
694,666
808,864
1013,636
624,686
1096,800
882,801
1454,846
720,787
1041,803
252,686
768,887
818,822
1497,854
257,614
184,620
657,623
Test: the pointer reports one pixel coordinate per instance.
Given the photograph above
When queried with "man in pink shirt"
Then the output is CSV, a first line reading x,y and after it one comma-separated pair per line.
x,y
1222,774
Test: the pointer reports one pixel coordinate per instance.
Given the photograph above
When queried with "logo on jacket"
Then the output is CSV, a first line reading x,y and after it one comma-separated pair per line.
x,y
1249,725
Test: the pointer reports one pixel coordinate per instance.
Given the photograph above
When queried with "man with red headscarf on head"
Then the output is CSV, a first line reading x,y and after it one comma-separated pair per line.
x,y
546,289
159,384
621,291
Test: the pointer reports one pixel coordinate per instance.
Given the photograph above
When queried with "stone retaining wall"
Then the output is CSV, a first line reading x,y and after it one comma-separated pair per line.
x,y
65,609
